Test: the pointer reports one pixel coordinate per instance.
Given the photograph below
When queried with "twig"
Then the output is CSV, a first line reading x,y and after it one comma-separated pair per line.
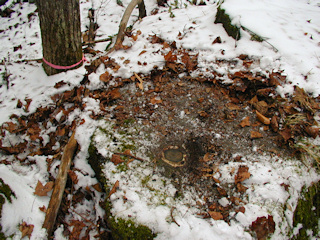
x,y
172,218
87,220
124,21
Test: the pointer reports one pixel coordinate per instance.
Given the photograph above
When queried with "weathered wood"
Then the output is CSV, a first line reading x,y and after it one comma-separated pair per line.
x,y
59,185
125,19
60,33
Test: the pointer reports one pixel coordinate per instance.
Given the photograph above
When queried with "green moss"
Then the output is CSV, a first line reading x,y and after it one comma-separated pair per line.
x,y
224,18
308,212
5,194
122,229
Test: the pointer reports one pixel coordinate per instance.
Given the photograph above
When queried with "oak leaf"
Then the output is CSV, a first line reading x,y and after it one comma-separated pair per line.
x,y
242,174
216,215
42,190
26,230
263,227
116,159
105,77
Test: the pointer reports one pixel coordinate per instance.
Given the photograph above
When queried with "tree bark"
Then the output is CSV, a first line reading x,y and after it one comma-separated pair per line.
x,y
60,32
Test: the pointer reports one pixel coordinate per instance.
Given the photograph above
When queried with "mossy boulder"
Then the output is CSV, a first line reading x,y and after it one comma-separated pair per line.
x,y
6,194
115,139
224,18
307,212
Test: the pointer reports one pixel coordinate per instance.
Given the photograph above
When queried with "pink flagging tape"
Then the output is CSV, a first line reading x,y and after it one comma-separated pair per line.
x,y
64,67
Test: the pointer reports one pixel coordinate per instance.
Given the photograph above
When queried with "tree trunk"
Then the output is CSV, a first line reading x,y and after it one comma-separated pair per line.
x,y
61,33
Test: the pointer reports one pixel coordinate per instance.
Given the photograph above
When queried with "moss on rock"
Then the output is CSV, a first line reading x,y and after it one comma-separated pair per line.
x,y
122,229
5,194
307,212
222,17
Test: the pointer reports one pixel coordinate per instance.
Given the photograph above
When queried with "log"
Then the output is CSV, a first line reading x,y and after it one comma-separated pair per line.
x,y
60,184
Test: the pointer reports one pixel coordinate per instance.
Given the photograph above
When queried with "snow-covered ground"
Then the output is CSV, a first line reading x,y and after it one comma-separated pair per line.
x,y
292,32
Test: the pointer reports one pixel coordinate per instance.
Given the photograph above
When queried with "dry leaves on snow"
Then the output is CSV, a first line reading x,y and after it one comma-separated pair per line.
x,y
242,174
263,227
42,190
26,230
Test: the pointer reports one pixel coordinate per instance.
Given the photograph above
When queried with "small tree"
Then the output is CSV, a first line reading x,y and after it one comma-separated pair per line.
x,y
61,34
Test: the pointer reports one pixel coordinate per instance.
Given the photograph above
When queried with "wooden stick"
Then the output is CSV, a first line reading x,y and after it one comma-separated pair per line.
x,y
124,21
60,185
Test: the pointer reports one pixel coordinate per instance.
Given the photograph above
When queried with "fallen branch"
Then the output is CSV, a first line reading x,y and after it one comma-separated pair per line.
x,y
60,185
125,19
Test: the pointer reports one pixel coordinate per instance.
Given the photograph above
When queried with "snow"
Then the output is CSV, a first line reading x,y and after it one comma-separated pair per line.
x,y
291,29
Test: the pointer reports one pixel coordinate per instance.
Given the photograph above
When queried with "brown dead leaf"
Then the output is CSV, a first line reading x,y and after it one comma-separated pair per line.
x,y
232,106
170,57
274,123
26,107
142,52
255,135
73,176
114,188
242,174
105,77
262,118
116,159
245,122
140,84
114,94
43,190
43,209
26,230
286,134
241,188
216,215
263,227
19,104
97,187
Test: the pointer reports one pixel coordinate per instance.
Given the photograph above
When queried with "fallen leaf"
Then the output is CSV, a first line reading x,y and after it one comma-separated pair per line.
x,y
242,174
43,209
286,134
140,84
217,40
73,176
105,77
26,230
245,122
26,107
255,135
170,57
60,84
97,187
116,159
262,118
114,188
43,190
142,52
216,215
156,100
263,227
233,106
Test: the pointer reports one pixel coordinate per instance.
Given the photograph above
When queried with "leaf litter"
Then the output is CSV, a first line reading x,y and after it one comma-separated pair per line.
x,y
243,111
